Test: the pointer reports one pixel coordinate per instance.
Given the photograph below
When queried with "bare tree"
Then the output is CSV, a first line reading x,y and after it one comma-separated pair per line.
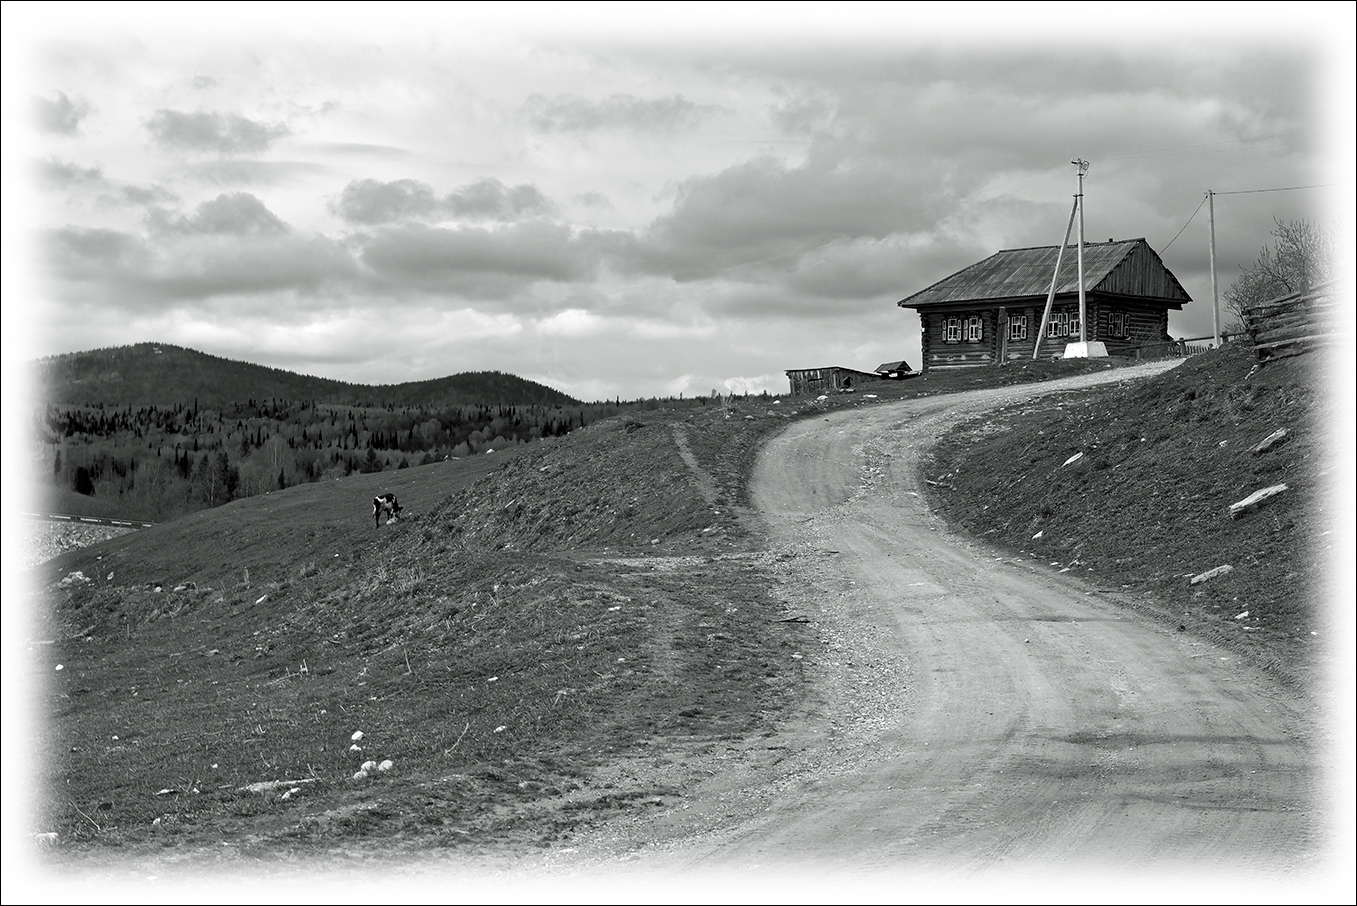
x,y
1301,255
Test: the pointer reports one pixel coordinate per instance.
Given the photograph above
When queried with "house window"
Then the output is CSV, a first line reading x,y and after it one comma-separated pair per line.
x,y
1017,327
953,330
1116,323
975,329
1074,324
1059,325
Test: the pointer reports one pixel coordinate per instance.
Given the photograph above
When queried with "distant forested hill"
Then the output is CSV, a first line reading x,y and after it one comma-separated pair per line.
x,y
152,431
157,374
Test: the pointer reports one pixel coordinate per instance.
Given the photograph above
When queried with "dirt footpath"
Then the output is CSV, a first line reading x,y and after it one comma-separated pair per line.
x,y
978,718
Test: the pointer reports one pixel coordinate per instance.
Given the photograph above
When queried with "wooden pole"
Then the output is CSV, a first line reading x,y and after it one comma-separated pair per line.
x,y
1215,296
1050,296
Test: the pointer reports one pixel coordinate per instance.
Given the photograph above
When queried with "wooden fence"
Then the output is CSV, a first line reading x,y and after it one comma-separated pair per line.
x,y
1180,347
1295,323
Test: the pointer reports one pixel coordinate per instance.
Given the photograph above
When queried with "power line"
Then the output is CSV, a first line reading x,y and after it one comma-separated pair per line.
x,y
1242,192
1326,185
1189,220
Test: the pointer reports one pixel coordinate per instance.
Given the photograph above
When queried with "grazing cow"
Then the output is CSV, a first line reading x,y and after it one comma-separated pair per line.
x,y
385,503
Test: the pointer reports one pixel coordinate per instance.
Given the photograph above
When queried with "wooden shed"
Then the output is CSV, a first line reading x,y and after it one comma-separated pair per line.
x,y
895,371
828,380
991,311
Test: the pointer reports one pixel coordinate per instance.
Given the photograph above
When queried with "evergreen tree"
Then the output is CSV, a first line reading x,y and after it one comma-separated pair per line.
x,y
84,482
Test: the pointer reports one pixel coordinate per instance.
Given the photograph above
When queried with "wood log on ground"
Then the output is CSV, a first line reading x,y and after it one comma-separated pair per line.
x,y
1276,437
1254,500
1211,574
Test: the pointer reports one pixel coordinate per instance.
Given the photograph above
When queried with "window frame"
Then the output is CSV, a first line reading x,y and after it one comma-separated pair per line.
x,y
951,329
1017,327
973,329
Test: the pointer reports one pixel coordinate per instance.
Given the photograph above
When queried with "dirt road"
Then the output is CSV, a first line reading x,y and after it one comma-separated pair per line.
x,y
977,717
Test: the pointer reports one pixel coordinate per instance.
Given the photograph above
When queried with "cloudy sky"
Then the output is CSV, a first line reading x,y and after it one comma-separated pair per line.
x,y
625,201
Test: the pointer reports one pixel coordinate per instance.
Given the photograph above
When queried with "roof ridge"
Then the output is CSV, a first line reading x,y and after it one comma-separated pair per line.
x,y
1056,245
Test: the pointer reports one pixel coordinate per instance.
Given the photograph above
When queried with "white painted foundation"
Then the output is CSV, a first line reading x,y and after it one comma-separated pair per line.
x,y
1093,349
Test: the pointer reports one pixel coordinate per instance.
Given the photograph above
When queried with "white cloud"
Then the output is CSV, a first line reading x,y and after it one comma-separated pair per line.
x,y
370,201
566,113
234,213
573,322
61,115
208,131
763,383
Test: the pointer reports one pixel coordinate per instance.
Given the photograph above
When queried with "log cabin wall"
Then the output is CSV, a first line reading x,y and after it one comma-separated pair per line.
x,y
1120,325
959,339
1023,322
1124,327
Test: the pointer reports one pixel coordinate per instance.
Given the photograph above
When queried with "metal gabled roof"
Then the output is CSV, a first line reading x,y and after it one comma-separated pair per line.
x,y
1024,273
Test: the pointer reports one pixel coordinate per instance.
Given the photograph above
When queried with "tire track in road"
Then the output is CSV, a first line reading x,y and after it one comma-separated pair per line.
x,y
706,484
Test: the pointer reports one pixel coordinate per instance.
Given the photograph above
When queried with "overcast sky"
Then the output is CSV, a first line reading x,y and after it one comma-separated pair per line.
x,y
626,201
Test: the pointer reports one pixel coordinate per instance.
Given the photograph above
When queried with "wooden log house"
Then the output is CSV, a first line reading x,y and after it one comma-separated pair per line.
x,y
991,312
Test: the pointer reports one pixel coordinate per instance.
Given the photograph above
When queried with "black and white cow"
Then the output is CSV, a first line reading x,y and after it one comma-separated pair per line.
x,y
385,503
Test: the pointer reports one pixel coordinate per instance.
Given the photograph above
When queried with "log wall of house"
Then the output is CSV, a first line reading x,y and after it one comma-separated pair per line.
x,y
1015,350
1143,326
940,354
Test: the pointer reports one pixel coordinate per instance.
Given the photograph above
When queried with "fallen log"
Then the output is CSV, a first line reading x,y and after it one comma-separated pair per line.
x,y
1272,440
1255,500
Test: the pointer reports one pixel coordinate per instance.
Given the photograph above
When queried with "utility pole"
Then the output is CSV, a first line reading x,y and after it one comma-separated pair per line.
x,y
1079,201
1082,349
1215,295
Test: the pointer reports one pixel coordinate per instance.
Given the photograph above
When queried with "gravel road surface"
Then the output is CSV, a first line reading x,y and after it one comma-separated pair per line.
x,y
984,719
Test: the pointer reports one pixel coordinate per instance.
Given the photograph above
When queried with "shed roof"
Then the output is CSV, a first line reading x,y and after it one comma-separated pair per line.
x,y
1127,267
888,367
791,371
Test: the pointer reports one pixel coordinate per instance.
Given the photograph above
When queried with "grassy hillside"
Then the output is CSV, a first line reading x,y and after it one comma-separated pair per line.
x,y
561,631
502,643
1131,489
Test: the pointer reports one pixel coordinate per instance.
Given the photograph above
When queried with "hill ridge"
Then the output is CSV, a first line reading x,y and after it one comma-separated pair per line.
x,y
151,373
